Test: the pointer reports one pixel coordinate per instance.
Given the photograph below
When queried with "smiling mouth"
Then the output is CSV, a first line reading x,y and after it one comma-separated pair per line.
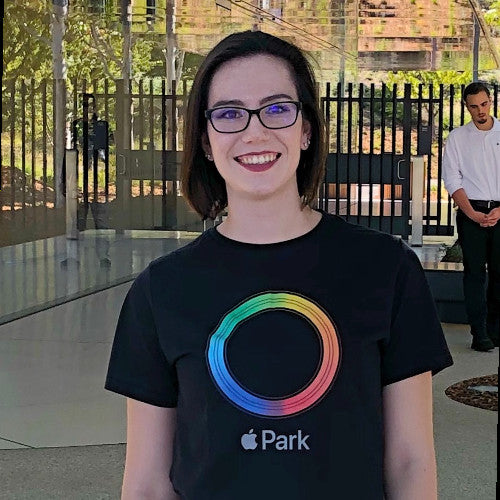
x,y
260,159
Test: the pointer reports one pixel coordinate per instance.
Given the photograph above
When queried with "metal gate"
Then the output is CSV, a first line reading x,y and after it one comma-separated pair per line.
x,y
368,181
373,132
130,181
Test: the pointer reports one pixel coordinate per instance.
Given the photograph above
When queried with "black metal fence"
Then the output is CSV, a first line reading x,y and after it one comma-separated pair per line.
x,y
26,178
130,142
374,131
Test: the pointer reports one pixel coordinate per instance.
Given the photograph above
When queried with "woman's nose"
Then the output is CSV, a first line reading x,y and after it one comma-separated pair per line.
x,y
255,130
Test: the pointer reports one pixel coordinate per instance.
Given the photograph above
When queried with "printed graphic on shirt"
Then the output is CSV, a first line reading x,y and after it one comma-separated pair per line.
x,y
312,392
270,440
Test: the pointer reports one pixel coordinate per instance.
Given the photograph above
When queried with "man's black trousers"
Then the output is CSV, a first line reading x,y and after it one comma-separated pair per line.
x,y
481,251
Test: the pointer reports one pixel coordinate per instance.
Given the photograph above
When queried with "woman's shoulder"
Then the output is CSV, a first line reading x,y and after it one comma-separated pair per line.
x,y
366,248
353,234
193,250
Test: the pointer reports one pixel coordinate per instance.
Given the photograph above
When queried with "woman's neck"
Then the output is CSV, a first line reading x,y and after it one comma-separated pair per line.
x,y
268,221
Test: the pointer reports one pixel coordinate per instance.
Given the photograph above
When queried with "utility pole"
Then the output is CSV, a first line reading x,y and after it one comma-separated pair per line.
x,y
475,50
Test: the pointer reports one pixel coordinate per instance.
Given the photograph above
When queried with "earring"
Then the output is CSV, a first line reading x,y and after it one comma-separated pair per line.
x,y
306,144
209,157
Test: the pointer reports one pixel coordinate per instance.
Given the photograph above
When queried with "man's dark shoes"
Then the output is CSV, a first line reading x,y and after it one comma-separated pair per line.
x,y
493,328
494,339
483,344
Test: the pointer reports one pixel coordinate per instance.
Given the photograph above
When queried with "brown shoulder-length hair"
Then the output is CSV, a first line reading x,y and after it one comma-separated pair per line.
x,y
202,185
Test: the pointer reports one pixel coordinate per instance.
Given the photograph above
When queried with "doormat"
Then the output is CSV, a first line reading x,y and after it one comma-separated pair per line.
x,y
481,392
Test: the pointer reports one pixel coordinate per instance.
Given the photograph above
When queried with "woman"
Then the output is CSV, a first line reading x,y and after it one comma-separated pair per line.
x,y
288,352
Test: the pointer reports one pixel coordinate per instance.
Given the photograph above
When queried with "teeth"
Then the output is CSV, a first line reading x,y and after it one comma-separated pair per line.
x,y
257,159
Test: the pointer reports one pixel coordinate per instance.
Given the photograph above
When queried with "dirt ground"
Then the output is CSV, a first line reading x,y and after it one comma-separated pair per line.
x,y
38,219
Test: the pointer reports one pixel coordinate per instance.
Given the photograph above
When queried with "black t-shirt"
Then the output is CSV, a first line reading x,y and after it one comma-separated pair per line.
x,y
275,356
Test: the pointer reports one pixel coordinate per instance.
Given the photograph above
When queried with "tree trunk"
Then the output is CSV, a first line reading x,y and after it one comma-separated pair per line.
x,y
58,25
127,73
171,42
126,16
170,73
124,124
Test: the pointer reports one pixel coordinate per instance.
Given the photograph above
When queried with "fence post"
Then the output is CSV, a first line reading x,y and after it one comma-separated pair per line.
x,y
417,200
71,194
123,146
407,129
71,161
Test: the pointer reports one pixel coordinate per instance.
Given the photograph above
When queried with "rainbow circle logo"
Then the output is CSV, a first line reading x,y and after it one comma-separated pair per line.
x,y
292,404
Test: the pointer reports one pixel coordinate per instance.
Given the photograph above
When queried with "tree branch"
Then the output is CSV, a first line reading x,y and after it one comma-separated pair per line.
x,y
33,33
99,41
104,61
180,63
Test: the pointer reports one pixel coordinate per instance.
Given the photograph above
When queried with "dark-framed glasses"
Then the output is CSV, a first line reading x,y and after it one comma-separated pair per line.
x,y
232,119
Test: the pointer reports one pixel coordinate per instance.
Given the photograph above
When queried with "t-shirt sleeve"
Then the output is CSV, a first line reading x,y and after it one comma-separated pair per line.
x,y
416,343
138,367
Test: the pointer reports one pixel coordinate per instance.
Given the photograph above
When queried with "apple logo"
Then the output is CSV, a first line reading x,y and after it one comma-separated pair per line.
x,y
248,440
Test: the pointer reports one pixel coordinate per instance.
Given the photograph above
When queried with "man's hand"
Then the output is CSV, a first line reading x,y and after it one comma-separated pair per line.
x,y
479,217
491,218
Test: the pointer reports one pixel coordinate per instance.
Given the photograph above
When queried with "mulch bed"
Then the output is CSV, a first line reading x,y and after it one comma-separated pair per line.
x,y
462,393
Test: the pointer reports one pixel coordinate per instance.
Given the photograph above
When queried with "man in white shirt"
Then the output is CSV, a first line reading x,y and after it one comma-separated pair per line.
x,y
471,174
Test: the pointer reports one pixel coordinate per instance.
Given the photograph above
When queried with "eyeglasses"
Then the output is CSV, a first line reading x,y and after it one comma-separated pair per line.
x,y
229,120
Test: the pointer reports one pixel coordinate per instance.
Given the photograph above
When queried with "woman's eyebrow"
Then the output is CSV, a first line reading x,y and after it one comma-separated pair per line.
x,y
237,102
233,102
276,96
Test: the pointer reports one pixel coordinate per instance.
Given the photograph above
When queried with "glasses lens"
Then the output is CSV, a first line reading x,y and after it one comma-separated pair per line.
x,y
229,119
279,115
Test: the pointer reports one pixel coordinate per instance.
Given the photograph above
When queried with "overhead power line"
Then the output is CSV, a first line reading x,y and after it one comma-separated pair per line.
x,y
265,16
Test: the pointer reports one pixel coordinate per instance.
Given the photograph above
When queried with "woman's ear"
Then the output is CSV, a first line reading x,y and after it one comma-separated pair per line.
x,y
205,144
306,135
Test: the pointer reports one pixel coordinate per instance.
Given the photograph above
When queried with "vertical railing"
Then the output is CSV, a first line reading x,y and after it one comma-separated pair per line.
x,y
13,145
152,148
27,186
164,154
360,165
407,129
44,149
382,152
365,128
371,152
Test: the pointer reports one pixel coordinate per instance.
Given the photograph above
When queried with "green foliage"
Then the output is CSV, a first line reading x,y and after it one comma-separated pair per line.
x,y
93,51
144,63
453,253
492,15
26,34
426,78
434,79
93,43
191,65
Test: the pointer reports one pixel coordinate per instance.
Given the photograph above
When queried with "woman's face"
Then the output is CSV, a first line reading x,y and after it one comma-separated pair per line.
x,y
257,162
